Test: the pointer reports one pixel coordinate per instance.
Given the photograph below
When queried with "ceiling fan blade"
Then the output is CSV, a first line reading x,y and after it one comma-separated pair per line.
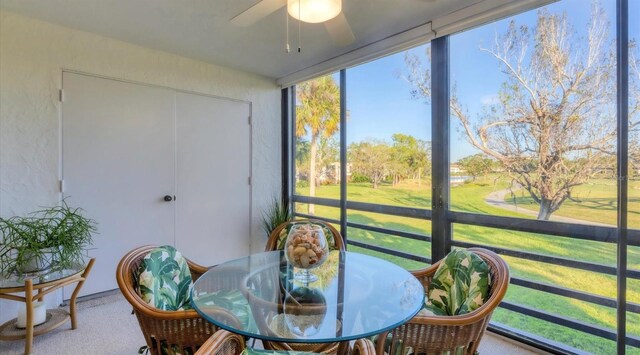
x,y
257,12
339,29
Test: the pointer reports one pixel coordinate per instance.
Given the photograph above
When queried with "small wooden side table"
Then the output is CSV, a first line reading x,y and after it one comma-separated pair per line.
x,y
42,284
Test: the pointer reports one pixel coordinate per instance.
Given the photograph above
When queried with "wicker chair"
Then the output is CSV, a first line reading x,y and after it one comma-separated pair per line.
x,y
226,343
222,342
274,237
441,334
179,329
272,244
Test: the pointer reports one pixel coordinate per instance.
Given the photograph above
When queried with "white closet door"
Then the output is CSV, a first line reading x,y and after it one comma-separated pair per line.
x,y
213,167
118,162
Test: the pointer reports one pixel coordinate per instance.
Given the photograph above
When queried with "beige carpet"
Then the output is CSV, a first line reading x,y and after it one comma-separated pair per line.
x,y
106,326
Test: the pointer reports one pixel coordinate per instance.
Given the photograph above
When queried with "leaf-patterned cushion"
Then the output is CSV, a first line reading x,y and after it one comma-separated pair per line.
x,y
459,286
251,351
282,238
234,301
164,280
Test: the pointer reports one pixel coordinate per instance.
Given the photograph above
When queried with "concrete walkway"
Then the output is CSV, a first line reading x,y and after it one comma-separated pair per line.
x,y
496,199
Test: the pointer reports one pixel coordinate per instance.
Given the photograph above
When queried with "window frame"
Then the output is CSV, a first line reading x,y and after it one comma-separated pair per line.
x,y
442,217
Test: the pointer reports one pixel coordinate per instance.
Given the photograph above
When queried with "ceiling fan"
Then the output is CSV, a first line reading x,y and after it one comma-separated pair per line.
x,y
328,12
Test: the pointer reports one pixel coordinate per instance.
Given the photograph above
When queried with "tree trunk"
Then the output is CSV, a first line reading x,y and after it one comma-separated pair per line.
x,y
419,177
375,183
545,209
312,170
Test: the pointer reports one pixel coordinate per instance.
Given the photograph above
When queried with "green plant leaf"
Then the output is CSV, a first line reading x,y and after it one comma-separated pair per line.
x,y
278,213
60,233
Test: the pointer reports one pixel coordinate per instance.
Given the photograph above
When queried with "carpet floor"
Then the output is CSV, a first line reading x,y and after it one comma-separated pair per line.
x,y
106,326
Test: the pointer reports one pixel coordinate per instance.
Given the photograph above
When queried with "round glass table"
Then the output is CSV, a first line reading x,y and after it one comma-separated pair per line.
x,y
355,296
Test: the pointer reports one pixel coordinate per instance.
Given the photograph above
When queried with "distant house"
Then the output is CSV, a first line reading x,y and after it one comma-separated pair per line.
x,y
455,169
330,174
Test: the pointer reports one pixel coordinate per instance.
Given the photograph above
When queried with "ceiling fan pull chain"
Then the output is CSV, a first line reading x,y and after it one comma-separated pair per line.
x,y
299,26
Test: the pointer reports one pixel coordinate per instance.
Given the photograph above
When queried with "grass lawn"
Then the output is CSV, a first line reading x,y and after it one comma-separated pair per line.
x,y
470,198
593,202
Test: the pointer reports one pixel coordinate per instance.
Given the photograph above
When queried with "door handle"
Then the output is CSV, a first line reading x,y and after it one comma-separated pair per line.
x,y
169,198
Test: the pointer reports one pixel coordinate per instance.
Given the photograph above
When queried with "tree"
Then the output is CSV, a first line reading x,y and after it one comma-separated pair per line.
x,y
371,159
317,115
302,157
476,165
328,157
556,107
634,108
410,156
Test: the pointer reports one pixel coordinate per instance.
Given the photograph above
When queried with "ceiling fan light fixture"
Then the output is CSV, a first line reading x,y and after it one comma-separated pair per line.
x,y
314,11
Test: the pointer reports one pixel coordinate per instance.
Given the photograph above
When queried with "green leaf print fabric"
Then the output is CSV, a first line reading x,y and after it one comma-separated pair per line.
x,y
234,301
282,238
460,285
164,279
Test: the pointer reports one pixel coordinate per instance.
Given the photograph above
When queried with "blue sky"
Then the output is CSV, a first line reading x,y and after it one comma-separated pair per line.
x,y
379,100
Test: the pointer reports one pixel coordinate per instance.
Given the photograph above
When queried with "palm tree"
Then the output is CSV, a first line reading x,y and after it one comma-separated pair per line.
x,y
317,114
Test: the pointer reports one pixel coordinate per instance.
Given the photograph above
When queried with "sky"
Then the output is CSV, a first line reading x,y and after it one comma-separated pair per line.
x,y
379,99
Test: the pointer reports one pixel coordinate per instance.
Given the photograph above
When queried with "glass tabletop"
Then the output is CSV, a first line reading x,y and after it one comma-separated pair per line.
x,y
262,296
15,281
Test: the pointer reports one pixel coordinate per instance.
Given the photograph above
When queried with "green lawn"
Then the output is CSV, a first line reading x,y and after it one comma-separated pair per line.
x,y
470,198
593,202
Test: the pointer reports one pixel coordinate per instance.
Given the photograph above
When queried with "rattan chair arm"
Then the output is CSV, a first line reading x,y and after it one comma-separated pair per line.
x,y
272,242
150,311
153,312
460,320
364,347
196,269
222,342
426,272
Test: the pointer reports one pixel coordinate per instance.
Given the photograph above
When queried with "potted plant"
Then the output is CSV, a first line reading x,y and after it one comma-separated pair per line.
x,y
52,238
278,213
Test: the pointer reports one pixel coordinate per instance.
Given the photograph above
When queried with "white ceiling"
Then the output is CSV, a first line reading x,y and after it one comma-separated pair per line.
x,y
200,29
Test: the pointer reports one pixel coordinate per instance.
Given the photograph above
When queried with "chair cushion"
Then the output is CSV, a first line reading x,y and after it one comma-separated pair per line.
x,y
282,238
234,301
250,351
459,286
164,280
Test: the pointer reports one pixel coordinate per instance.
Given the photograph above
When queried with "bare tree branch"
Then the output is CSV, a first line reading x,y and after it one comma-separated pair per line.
x,y
554,125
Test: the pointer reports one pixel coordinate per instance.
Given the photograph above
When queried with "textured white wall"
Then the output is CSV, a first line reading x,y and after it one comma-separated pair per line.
x,y
32,56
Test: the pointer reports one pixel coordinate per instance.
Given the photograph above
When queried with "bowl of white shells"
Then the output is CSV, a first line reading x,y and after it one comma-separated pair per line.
x,y
306,248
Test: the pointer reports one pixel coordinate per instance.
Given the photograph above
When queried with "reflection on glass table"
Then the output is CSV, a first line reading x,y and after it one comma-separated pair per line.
x,y
304,311
354,296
